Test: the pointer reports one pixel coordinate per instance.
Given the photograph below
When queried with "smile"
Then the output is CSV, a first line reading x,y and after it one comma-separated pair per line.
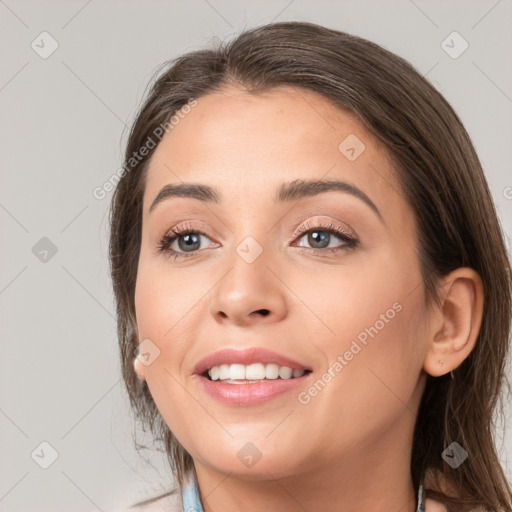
x,y
249,376
243,374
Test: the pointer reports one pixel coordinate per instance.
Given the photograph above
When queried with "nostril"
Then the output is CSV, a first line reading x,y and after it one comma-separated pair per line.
x,y
264,312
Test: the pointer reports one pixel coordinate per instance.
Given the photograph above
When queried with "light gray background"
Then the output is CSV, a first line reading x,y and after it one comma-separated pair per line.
x,y
63,124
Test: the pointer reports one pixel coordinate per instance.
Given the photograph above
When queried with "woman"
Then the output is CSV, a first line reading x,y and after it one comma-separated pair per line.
x,y
311,281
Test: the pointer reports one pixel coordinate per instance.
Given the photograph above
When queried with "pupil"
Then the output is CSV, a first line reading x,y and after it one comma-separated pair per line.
x,y
314,238
189,240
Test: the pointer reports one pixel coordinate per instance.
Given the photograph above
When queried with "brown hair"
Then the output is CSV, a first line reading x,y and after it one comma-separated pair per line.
x,y
441,178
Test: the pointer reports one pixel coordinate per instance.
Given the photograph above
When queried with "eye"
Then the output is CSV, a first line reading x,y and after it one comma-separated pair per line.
x,y
188,241
319,237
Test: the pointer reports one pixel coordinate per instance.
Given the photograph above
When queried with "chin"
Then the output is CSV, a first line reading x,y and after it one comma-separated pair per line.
x,y
253,461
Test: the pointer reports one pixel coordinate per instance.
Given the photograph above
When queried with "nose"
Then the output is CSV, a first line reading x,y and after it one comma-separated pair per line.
x,y
249,292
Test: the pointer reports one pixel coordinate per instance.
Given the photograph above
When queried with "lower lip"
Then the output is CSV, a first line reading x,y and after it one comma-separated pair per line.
x,y
244,395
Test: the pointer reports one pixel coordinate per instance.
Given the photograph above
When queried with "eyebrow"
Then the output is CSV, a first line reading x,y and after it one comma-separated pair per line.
x,y
290,191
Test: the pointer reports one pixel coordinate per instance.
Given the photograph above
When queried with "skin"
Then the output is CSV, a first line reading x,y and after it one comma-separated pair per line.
x,y
349,448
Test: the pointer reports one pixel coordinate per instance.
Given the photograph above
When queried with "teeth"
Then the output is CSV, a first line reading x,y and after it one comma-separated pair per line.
x,y
285,372
224,371
255,371
237,372
214,373
252,372
272,371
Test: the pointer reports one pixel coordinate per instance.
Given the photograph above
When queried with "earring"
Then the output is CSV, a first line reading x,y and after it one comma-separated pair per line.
x,y
137,366
441,362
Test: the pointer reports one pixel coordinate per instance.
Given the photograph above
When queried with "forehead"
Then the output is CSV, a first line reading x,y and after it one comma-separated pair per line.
x,y
246,145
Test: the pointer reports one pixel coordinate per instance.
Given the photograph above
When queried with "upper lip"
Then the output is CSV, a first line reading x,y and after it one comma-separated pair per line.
x,y
246,356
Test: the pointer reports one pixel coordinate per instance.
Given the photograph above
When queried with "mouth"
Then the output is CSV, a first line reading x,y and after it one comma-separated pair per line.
x,y
250,376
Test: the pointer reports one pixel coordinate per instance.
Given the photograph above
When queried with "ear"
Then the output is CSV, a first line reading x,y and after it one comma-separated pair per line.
x,y
139,368
455,324
137,363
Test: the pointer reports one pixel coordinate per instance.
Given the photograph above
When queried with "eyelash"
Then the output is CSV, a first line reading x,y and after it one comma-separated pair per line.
x,y
166,241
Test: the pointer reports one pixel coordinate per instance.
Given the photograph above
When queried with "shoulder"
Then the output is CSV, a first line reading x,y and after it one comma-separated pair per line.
x,y
168,502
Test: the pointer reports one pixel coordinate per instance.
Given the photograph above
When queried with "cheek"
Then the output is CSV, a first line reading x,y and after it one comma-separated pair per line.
x,y
380,352
151,305
369,322
368,302
165,301
170,309
166,316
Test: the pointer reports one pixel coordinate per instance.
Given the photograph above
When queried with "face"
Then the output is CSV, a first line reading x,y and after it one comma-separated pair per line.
x,y
268,278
